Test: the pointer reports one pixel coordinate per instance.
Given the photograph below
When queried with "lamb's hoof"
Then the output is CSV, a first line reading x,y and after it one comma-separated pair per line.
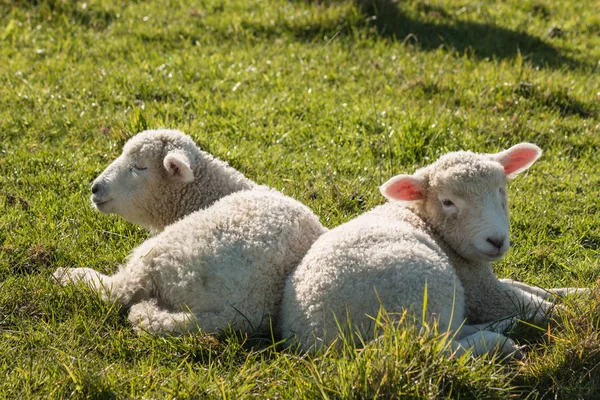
x,y
512,350
519,353
516,353
139,317
62,276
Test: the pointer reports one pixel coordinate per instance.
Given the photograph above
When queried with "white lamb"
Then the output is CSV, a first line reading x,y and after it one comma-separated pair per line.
x,y
435,240
223,265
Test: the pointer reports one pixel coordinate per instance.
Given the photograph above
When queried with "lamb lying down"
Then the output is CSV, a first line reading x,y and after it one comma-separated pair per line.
x,y
225,245
435,238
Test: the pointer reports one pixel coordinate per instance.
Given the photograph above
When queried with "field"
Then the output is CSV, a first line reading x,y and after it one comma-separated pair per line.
x,y
324,100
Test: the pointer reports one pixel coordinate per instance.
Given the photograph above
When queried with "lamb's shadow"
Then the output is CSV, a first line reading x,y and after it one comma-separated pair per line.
x,y
441,29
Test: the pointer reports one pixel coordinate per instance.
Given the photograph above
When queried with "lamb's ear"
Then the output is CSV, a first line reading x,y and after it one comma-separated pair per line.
x,y
178,167
518,158
404,188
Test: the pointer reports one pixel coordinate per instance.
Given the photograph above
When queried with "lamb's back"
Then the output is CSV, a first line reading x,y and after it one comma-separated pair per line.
x,y
236,252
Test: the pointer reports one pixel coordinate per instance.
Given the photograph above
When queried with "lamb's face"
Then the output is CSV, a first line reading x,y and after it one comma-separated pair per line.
x,y
139,182
467,205
463,197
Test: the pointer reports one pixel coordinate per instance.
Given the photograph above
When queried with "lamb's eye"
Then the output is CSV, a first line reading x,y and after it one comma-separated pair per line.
x,y
447,203
138,168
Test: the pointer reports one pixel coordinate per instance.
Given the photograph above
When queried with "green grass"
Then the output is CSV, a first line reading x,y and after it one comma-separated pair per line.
x,y
324,102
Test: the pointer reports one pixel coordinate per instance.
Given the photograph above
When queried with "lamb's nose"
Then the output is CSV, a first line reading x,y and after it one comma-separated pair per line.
x,y
496,242
95,188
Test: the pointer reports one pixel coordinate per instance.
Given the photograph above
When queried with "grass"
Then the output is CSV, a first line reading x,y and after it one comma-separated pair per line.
x,y
323,100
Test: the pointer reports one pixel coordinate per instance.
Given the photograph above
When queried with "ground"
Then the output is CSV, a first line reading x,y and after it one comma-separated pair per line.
x,y
324,100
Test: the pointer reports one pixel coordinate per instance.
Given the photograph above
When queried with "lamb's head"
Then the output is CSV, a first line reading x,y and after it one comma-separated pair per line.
x,y
145,184
462,196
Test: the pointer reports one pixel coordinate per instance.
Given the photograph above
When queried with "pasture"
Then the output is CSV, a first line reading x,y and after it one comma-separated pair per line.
x,y
323,100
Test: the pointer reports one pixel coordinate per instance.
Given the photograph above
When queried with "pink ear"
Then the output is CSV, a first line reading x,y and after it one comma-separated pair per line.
x,y
518,158
404,188
178,167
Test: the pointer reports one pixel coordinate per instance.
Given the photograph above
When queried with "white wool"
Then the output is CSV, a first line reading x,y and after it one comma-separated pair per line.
x,y
223,265
445,225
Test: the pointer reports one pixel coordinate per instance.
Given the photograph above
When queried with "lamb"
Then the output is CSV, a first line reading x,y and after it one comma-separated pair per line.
x,y
224,245
437,236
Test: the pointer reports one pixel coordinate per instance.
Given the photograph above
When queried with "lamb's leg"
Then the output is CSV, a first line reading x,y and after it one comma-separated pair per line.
x,y
525,304
500,326
546,294
483,342
94,279
131,284
497,301
148,316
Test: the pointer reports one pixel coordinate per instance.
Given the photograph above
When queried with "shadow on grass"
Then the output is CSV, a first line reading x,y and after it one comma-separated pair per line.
x,y
556,99
97,18
483,40
433,28
439,28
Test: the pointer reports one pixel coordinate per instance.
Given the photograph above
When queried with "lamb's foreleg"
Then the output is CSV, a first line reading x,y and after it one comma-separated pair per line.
x,y
149,316
482,342
500,326
546,294
131,284
525,304
95,280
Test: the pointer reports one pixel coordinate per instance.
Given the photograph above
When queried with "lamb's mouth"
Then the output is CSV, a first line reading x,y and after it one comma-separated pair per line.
x,y
494,256
98,204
